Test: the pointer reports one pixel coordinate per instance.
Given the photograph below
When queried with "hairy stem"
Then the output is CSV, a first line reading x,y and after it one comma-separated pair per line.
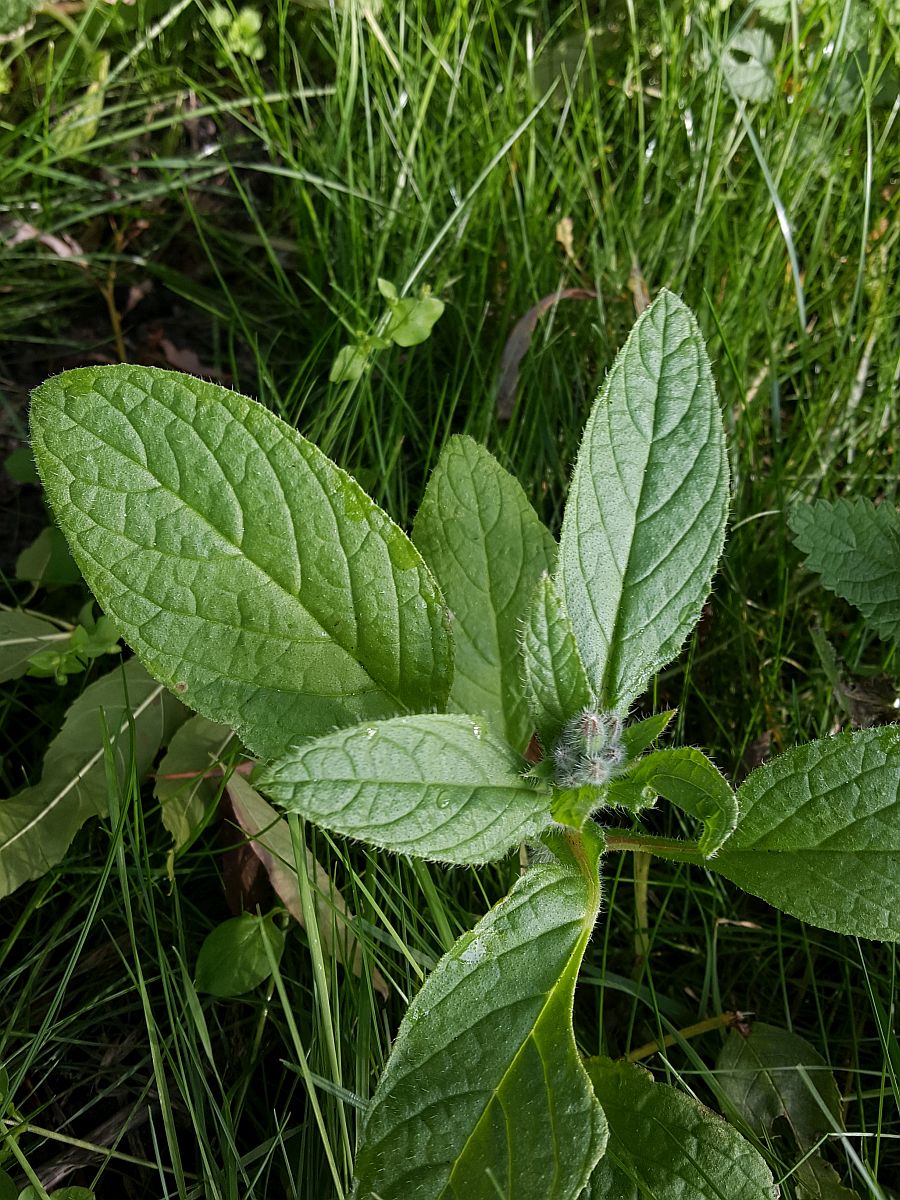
x,y
670,848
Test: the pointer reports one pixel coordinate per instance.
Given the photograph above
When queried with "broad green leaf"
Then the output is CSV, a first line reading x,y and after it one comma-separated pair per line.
x,y
668,1145
38,824
819,835
645,518
21,636
747,62
556,685
487,549
250,574
270,840
687,779
818,1180
412,320
855,547
189,778
47,561
439,786
8,1190
760,1073
233,958
484,1094
20,466
16,17
349,364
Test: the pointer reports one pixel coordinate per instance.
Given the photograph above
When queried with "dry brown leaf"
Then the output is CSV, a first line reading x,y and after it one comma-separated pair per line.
x,y
564,231
518,342
270,840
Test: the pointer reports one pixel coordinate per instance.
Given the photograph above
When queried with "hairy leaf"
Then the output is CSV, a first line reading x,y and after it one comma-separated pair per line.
x,y
249,573
188,779
484,1094
21,636
760,1073
855,547
439,786
645,518
668,1145
270,840
687,779
556,684
487,548
38,824
819,835
641,734
233,958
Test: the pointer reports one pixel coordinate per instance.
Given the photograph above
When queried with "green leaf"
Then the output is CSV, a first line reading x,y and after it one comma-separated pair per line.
x,y
855,547
747,63
387,289
484,1094
47,561
487,549
641,734
16,17
412,321
819,835
271,842
38,824
556,684
233,958
187,781
442,787
21,636
687,779
8,1190
20,466
818,1180
668,1145
645,518
249,573
349,364
66,1193
760,1074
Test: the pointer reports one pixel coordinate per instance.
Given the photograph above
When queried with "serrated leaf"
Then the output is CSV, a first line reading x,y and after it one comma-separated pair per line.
x,y
484,1094
760,1073
233,958
439,786
819,835
249,573
21,636
637,736
556,683
747,61
188,781
687,779
38,824
47,561
270,840
855,547
487,548
669,1145
645,518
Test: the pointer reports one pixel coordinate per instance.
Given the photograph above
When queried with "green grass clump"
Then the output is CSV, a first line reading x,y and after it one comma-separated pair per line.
x,y
155,170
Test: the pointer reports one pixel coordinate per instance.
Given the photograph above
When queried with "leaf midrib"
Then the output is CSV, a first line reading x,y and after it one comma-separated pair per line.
x,y
202,518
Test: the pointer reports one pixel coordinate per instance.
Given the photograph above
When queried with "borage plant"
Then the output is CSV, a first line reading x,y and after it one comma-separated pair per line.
x,y
259,582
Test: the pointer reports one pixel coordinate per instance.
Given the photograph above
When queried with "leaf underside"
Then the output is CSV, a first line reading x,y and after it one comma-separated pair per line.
x,y
645,519
440,786
38,824
819,835
484,1094
664,1145
487,548
249,573
855,547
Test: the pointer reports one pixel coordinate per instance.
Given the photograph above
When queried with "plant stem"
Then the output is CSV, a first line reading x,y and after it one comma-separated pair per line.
x,y
723,1020
671,848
